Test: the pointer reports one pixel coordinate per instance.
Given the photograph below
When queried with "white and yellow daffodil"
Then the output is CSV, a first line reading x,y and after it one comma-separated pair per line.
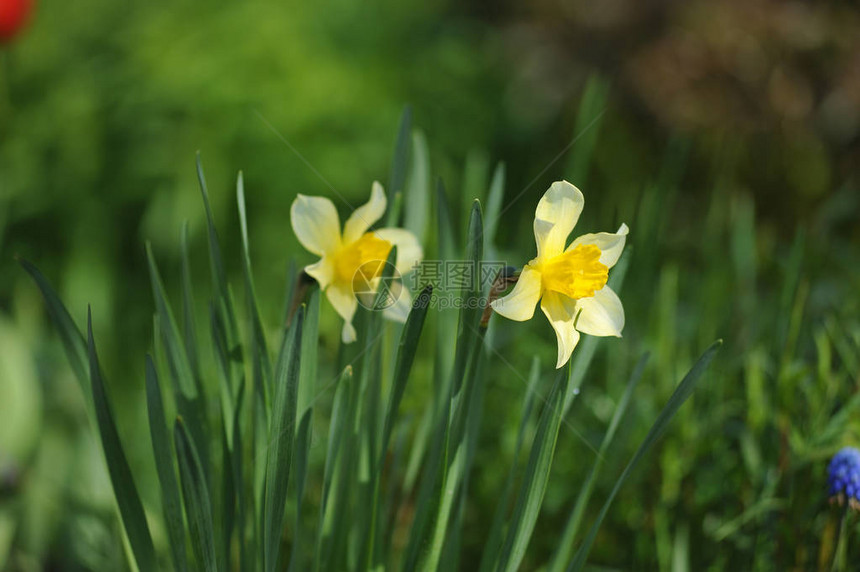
x,y
570,283
352,261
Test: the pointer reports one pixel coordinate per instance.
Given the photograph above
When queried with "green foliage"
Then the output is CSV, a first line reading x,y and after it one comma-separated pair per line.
x,y
421,446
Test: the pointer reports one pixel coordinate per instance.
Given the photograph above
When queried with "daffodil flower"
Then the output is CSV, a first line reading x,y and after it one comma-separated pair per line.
x,y
352,261
570,282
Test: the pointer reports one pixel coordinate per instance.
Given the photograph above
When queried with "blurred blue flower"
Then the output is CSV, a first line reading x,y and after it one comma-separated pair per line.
x,y
843,476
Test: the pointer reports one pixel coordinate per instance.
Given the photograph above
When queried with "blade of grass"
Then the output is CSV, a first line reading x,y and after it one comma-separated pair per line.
x,y
188,308
177,358
681,394
195,493
304,427
162,449
125,491
495,196
591,107
338,426
73,339
568,537
406,351
219,276
261,365
303,446
405,356
417,192
367,426
492,546
530,496
469,338
397,177
280,447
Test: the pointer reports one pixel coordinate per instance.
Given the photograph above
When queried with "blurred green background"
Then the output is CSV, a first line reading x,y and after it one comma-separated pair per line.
x,y
726,134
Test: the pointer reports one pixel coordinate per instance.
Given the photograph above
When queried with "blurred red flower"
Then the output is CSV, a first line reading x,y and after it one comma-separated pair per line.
x,y
13,17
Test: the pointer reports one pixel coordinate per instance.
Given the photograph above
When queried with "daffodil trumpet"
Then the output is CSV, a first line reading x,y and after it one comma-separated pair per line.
x,y
568,281
352,260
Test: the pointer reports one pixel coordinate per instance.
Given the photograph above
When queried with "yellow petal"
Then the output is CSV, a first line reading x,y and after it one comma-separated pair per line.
x,y
555,217
322,271
343,300
602,314
520,304
316,224
364,216
610,244
409,251
561,311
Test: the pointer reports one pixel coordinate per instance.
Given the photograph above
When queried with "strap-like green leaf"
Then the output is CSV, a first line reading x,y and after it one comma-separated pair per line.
x,y
198,506
495,197
125,491
73,339
334,468
418,192
681,394
397,178
531,493
492,545
174,348
565,546
163,450
280,446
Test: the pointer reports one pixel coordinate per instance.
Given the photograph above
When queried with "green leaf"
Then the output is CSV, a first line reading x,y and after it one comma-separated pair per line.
x,y
162,448
469,338
495,196
233,484
261,365
310,351
530,497
406,351
174,348
198,506
188,309
280,446
303,447
568,537
417,193
73,339
219,276
492,545
403,365
125,491
338,425
397,177
591,109
681,394
190,401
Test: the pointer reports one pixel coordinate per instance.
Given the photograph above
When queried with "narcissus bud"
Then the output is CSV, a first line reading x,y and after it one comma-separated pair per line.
x,y
13,16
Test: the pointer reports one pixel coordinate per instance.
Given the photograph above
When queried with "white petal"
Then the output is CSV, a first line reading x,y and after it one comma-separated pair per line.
x,y
610,244
315,223
345,304
560,311
364,216
520,304
399,311
409,251
322,271
602,314
557,211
